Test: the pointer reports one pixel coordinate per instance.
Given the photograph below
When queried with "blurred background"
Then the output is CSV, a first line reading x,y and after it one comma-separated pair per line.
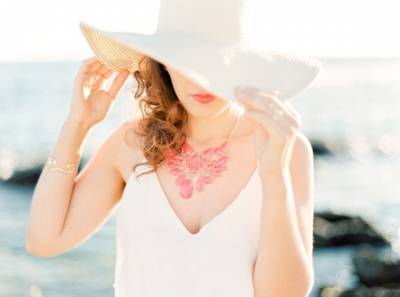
x,y
350,114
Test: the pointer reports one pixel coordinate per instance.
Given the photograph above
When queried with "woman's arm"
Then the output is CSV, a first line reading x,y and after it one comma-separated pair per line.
x,y
53,190
284,265
61,200
67,208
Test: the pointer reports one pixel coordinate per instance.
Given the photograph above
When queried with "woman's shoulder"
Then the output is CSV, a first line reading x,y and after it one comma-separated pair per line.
x,y
125,147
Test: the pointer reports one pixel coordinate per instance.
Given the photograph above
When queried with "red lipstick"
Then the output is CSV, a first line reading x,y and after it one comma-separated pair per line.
x,y
203,97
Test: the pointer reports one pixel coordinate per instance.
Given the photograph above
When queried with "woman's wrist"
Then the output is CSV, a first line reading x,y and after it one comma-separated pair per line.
x,y
276,182
78,123
280,174
75,132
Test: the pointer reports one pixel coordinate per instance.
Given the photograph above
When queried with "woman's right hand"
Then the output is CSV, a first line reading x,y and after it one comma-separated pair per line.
x,y
90,104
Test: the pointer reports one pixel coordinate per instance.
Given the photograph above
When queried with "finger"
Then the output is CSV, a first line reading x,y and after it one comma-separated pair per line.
x,y
252,106
295,116
249,95
247,106
293,112
84,69
98,78
265,98
292,116
88,75
106,68
93,77
88,64
266,122
268,106
95,68
89,61
97,82
103,70
280,123
285,122
108,74
117,83
90,79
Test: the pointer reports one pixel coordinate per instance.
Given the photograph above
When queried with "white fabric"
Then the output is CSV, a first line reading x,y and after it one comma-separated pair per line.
x,y
156,256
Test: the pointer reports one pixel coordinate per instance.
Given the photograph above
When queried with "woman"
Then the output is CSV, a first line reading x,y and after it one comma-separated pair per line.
x,y
265,155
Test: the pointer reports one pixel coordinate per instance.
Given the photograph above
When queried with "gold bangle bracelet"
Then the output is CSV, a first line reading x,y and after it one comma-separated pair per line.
x,y
51,162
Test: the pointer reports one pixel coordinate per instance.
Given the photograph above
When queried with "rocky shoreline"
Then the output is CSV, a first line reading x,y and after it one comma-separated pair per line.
x,y
375,265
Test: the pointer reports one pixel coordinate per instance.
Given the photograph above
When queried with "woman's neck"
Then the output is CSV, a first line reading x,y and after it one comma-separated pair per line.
x,y
212,131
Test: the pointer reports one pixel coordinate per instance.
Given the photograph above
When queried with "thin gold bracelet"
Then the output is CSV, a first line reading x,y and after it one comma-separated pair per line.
x,y
51,162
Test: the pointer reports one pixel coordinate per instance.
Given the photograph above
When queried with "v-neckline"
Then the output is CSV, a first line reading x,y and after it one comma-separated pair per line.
x,y
218,216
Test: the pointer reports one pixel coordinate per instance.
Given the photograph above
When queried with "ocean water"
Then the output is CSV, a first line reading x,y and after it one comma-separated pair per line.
x,y
353,107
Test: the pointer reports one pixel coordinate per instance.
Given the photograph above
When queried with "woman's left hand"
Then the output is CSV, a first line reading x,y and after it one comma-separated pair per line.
x,y
275,118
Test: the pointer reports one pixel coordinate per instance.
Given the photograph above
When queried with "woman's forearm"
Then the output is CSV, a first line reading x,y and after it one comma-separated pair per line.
x,y
53,190
282,267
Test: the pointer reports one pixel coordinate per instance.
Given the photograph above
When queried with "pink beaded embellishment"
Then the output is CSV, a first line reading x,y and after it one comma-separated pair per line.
x,y
198,169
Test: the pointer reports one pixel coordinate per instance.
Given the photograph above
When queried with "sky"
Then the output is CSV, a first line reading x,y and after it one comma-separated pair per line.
x,y
48,30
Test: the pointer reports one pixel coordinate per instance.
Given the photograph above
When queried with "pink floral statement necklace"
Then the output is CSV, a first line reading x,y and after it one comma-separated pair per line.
x,y
194,170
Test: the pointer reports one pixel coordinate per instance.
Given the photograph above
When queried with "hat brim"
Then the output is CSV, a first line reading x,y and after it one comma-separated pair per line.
x,y
217,68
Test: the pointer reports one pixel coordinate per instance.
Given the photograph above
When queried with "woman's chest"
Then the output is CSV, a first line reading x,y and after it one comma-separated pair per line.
x,y
231,211
208,199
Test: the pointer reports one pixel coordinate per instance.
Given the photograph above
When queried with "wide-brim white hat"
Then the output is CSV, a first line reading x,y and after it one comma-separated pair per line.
x,y
203,40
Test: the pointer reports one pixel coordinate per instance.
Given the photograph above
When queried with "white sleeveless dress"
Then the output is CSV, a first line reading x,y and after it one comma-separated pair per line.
x,y
156,256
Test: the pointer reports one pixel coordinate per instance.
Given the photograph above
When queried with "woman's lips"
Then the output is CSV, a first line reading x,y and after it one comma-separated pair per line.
x,y
203,97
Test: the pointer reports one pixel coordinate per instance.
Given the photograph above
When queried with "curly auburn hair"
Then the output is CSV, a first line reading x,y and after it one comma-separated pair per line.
x,y
163,122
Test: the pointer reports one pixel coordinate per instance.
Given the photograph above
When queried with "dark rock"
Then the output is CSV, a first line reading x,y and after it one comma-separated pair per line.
x,y
359,291
331,229
376,267
320,148
333,216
